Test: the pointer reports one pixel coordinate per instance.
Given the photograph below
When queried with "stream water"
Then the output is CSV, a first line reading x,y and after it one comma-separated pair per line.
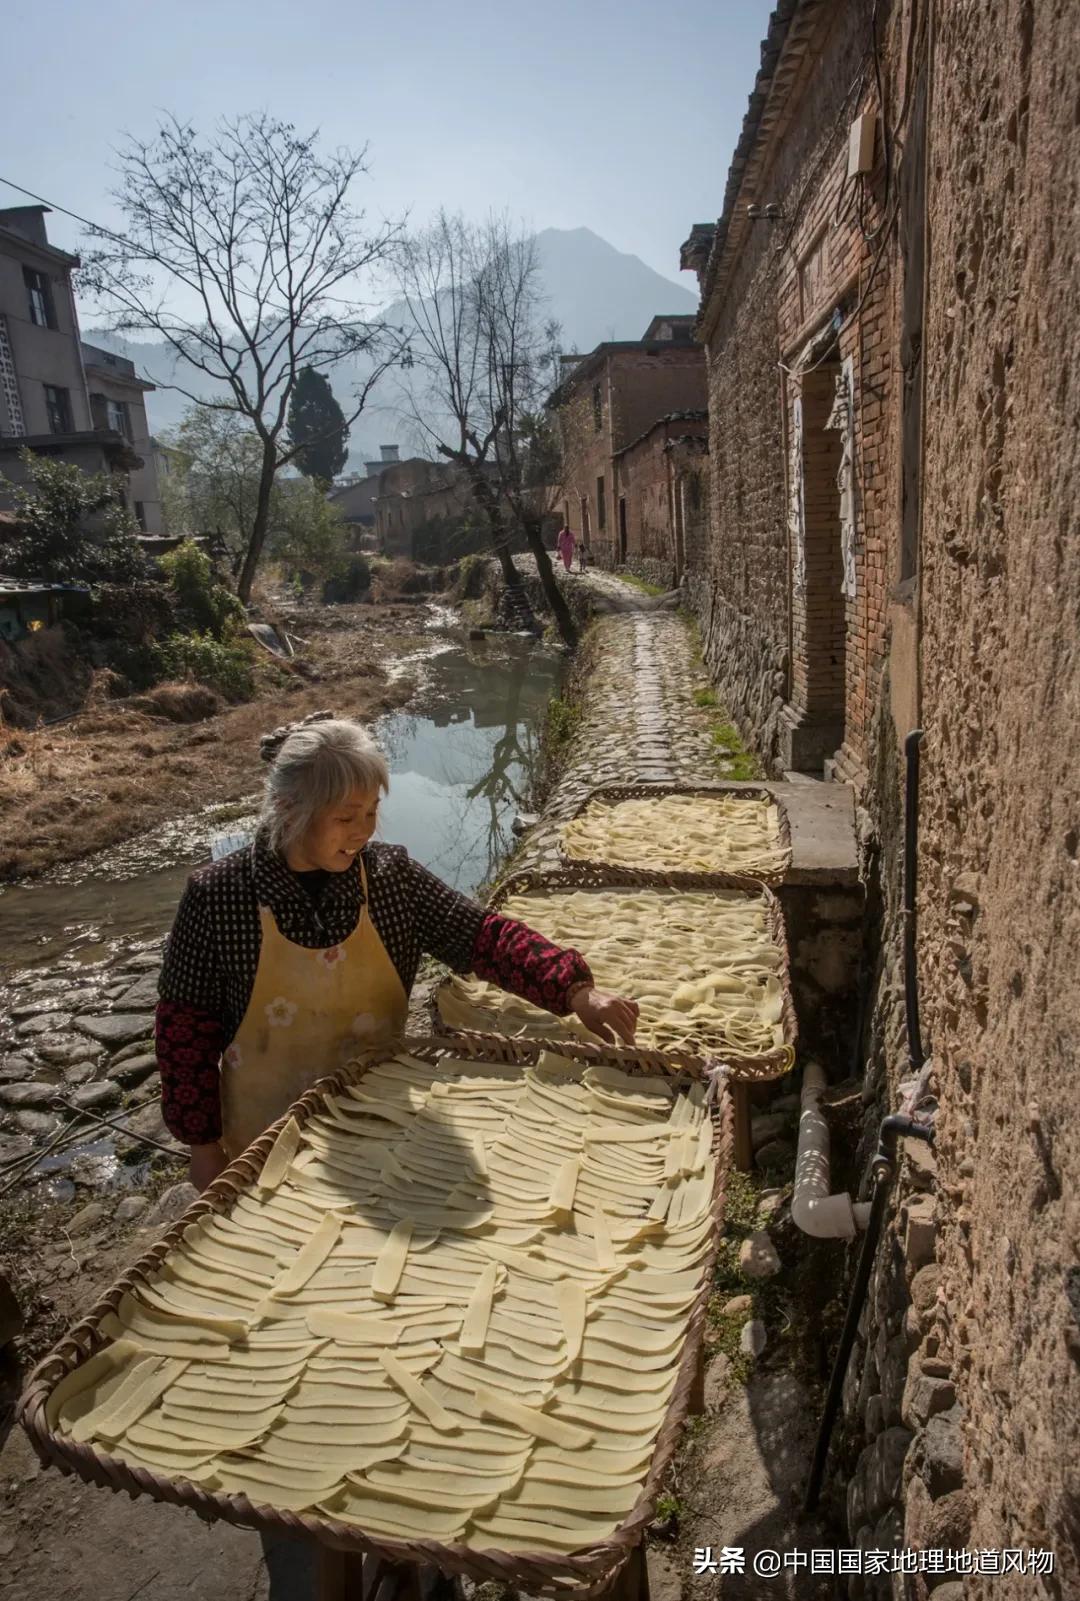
x,y
461,760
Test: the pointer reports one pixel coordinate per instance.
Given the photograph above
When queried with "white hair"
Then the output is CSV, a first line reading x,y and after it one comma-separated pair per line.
x,y
315,764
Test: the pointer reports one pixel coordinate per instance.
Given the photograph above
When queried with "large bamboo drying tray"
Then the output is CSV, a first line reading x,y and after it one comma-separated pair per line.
x,y
589,1572
552,1033
597,870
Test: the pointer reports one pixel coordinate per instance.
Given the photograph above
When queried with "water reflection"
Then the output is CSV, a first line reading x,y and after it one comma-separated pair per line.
x,y
462,769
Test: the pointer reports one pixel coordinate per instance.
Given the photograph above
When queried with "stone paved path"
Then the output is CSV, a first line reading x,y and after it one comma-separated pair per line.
x,y
639,722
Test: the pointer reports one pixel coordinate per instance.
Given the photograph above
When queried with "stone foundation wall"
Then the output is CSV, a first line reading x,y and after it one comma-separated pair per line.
x,y
652,569
748,667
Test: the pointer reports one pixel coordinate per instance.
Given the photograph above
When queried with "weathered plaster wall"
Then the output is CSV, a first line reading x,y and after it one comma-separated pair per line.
x,y
1000,659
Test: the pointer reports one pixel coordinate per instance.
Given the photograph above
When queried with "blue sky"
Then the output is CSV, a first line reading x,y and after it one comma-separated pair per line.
x,y
617,115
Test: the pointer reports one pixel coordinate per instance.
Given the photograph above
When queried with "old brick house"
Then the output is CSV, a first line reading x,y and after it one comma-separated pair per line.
x,y
607,400
426,511
887,309
658,485
798,316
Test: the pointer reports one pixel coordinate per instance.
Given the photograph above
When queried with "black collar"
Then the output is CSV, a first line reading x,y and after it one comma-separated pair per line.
x,y
294,912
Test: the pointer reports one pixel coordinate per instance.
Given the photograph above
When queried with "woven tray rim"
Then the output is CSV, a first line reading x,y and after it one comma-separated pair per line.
x,y
588,1573
718,877
760,1068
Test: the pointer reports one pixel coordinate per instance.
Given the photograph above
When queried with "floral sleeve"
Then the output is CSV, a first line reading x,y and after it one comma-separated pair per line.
x,y
518,959
189,1044
190,1024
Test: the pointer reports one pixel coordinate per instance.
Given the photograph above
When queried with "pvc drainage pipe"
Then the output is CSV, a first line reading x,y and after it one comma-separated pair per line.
x,y
813,1209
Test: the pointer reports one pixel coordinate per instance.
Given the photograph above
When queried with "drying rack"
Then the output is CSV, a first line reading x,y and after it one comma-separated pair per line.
x,y
744,1071
613,1568
596,871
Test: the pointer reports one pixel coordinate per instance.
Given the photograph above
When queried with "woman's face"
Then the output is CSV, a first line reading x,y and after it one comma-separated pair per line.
x,y
338,833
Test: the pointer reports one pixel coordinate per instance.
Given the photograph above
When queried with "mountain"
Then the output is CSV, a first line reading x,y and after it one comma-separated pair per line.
x,y
593,291
596,292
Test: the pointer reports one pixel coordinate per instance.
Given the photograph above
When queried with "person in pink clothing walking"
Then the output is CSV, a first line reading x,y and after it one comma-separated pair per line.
x,y
564,544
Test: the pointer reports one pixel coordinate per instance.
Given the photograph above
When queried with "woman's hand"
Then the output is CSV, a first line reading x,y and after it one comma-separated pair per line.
x,y
610,1016
206,1162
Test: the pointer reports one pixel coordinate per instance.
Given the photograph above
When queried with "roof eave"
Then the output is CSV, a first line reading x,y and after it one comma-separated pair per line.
x,y
782,53
49,253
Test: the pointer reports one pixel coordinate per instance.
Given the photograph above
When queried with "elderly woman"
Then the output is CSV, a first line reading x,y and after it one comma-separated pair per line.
x,y
298,950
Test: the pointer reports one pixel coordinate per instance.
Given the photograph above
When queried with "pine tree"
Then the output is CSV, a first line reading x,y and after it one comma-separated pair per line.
x,y
317,426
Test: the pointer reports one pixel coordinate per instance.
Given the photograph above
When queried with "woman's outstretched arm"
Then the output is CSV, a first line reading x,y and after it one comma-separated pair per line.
x,y
515,957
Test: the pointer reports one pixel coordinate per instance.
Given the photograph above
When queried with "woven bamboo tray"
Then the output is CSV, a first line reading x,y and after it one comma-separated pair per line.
x,y
768,1065
611,874
587,1573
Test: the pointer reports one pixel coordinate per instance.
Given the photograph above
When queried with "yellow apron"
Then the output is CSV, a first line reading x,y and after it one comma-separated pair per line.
x,y
309,1014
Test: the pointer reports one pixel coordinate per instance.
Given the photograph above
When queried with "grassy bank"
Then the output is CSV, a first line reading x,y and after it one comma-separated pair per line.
x,y
564,718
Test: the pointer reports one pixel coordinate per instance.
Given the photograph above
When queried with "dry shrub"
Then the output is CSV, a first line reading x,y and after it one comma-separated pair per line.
x,y
42,676
473,578
105,685
124,720
396,578
180,703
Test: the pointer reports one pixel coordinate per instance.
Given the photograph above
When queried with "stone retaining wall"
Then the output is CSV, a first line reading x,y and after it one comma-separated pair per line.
x,y
652,570
749,671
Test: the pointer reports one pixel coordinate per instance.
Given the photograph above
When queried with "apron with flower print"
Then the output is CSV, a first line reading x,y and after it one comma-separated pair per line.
x,y
310,1012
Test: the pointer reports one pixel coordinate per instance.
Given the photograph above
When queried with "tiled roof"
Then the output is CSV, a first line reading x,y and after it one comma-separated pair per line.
x,y
672,416
789,25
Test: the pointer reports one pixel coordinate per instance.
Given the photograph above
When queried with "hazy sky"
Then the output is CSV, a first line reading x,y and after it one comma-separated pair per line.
x,y
619,115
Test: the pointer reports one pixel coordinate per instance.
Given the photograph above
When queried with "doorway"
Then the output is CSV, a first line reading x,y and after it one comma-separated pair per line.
x,y
820,655
622,531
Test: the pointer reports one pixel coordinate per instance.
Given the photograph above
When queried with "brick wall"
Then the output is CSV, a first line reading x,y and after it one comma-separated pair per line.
x,y
647,494
962,1400
636,388
645,386
783,652
587,452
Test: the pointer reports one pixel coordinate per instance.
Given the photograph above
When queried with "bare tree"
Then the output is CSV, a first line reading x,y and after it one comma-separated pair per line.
x,y
481,366
252,231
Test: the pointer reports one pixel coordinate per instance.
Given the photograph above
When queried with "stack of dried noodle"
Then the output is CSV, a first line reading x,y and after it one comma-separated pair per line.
x,y
451,1309
704,968
725,833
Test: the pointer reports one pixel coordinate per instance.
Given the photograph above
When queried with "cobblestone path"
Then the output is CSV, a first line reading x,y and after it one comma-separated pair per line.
x,y
639,722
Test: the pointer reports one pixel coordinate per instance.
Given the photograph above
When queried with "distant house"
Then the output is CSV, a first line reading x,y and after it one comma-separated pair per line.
x,y
354,498
606,401
413,495
117,405
57,397
355,502
662,497
414,509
